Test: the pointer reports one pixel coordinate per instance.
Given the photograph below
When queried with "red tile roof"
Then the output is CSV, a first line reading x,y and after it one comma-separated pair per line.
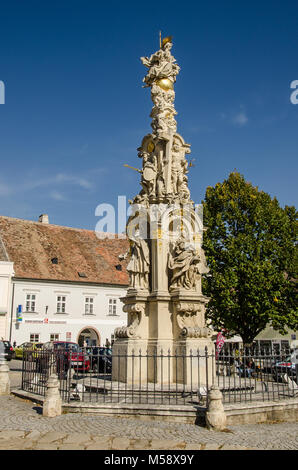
x,y
32,246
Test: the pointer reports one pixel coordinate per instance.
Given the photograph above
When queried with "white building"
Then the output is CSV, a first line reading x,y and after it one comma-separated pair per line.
x,y
59,283
6,273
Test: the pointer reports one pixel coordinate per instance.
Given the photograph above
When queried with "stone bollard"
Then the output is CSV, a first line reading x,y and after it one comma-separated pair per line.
x,y
52,405
4,379
215,417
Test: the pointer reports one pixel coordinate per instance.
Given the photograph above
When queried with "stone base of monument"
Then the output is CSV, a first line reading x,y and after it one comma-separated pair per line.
x,y
195,365
165,362
129,361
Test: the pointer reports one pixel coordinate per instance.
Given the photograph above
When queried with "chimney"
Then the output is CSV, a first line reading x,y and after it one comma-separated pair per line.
x,y
43,219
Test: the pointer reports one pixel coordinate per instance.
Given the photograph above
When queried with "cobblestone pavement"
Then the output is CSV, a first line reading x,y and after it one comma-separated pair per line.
x,y
22,426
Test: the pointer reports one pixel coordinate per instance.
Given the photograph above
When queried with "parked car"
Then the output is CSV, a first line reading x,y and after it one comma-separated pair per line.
x,y
59,345
7,349
19,350
70,354
36,348
284,367
100,359
31,349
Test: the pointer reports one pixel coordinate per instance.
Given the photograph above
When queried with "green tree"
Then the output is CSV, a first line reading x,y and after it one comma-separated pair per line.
x,y
250,246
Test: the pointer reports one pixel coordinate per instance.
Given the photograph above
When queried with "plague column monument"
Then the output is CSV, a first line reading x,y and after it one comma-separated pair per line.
x,y
164,302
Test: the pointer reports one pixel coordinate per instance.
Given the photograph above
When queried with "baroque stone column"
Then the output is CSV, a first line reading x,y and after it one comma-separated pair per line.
x,y
164,302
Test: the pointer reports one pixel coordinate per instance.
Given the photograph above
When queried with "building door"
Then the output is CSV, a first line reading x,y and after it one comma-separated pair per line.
x,y
88,337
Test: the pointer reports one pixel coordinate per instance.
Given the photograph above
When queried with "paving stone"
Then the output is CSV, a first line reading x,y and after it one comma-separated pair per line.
x,y
166,445
98,446
34,435
52,436
120,443
78,439
45,446
193,447
140,444
8,435
16,444
71,447
232,447
209,446
179,445
99,443
102,440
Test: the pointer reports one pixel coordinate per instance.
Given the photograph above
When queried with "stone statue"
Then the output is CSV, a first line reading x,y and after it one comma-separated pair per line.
x,y
161,65
183,263
160,185
139,263
149,175
179,170
161,76
184,190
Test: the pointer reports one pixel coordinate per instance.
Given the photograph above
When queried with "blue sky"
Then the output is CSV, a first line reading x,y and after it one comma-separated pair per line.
x,y
75,110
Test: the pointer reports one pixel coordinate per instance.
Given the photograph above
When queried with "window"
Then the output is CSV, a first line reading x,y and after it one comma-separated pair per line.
x,y
34,337
112,306
61,302
30,302
88,305
54,337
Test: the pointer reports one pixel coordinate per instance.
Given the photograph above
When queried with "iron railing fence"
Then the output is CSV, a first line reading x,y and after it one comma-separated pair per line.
x,y
98,375
37,367
252,374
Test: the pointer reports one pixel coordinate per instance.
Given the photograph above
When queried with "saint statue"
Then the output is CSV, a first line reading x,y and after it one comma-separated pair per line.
x,y
139,263
162,66
184,264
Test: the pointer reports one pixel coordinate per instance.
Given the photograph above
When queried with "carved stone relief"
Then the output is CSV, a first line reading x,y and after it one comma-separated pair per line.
x,y
134,317
191,322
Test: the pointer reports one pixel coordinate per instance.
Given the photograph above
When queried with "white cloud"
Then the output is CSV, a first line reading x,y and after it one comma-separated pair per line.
x,y
31,182
75,180
240,119
57,196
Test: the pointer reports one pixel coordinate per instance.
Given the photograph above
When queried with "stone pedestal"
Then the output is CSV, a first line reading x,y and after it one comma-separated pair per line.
x,y
195,367
52,405
215,417
4,379
165,342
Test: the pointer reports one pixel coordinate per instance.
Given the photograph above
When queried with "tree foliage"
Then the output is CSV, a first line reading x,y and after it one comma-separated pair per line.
x,y
250,246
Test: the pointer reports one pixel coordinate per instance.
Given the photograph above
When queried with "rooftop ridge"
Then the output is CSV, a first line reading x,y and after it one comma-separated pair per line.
x,y
107,234
33,246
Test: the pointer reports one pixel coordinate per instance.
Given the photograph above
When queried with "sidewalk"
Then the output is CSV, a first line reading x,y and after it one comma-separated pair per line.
x,y
56,440
22,426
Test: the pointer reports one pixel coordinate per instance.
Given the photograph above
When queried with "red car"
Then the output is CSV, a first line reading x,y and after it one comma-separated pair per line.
x,y
76,358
